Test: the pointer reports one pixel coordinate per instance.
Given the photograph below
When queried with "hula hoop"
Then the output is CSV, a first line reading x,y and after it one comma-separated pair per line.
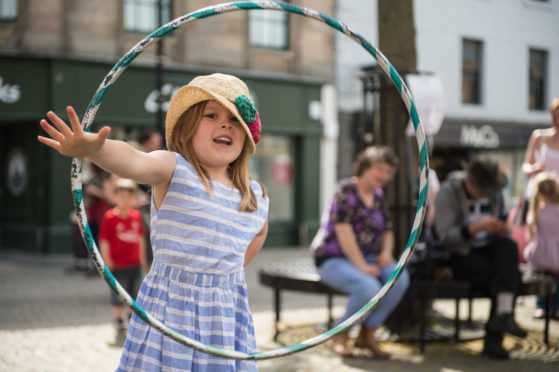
x,y
118,69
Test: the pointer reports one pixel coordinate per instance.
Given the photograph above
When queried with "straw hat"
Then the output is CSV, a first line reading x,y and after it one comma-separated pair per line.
x,y
229,91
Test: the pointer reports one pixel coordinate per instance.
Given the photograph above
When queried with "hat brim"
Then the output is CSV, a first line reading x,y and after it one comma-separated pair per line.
x,y
189,95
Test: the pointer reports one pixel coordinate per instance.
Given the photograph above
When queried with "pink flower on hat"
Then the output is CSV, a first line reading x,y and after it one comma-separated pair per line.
x,y
250,115
256,128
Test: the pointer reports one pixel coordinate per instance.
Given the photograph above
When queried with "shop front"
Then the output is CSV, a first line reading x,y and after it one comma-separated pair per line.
x,y
35,198
459,140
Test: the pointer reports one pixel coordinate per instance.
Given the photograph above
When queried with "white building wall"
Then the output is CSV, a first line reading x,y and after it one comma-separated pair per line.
x,y
508,29
361,17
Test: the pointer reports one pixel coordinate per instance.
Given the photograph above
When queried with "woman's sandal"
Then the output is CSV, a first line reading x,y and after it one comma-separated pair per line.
x,y
366,340
340,345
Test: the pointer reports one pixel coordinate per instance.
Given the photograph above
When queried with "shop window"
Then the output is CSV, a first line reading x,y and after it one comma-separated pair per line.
x,y
8,10
537,77
143,15
471,71
273,165
268,29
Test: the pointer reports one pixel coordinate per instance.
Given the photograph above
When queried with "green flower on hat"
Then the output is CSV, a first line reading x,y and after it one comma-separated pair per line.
x,y
246,108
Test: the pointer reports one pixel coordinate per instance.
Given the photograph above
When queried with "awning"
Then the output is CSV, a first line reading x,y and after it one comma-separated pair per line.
x,y
484,134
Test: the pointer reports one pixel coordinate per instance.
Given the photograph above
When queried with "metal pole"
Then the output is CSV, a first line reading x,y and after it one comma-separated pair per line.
x,y
160,123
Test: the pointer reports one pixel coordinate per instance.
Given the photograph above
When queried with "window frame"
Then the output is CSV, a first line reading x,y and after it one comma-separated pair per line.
x,y
151,5
286,22
473,76
8,18
538,103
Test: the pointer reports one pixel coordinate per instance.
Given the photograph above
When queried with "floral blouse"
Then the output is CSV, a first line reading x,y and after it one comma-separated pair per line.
x,y
369,224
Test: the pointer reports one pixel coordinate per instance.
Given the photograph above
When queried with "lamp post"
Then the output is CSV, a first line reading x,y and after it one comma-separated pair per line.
x,y
160,122
369,130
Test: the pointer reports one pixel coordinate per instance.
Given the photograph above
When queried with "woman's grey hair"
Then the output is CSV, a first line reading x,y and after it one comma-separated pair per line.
x,y
372,155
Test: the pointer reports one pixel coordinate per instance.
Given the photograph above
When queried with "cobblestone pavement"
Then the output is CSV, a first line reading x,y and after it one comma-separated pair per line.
x,y
54,319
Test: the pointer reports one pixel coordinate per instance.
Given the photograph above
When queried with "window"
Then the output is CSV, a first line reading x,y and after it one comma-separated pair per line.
x,y
537,77
8,10
268,29
143,15
471,71
274,166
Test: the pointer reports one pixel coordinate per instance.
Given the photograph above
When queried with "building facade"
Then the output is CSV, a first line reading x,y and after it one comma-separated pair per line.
x,y
498,64
498,61
55,53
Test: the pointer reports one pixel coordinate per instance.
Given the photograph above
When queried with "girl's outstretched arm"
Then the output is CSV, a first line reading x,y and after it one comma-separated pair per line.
x,y
116,157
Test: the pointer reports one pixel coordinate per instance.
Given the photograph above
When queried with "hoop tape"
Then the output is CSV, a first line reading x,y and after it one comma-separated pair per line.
x,y
118,69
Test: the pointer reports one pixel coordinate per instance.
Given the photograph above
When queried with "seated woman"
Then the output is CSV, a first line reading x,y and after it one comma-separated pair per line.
x,y
353,247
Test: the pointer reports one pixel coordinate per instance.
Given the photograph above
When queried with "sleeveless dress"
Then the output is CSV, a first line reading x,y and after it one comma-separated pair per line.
x,y
196,284
550,158
543,252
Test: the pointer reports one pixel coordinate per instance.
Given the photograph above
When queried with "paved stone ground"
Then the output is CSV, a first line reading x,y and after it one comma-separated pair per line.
x,y
52,319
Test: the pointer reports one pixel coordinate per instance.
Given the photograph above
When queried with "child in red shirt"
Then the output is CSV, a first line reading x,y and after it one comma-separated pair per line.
x,y
122,244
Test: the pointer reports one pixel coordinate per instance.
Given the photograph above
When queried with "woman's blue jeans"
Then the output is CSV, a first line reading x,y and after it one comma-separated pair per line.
x,y
341,274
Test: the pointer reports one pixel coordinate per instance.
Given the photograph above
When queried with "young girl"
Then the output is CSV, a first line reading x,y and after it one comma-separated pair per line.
x,y
543,251
208,220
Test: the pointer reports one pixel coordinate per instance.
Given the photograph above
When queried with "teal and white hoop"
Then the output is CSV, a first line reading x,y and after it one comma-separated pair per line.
x,y
118,69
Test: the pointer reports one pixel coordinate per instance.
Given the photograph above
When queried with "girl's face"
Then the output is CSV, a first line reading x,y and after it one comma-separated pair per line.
x,y
378,174
219,138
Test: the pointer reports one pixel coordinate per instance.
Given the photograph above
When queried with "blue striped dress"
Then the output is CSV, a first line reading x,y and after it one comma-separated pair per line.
x,y
196,284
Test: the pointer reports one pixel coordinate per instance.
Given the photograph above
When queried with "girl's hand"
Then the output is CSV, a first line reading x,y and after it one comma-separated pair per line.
x,y
74,141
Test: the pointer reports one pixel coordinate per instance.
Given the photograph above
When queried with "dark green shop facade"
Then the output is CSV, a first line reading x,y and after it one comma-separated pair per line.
x,y
35,197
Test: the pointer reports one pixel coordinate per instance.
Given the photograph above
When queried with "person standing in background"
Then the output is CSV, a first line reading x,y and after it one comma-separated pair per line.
x,y
122,244
542,152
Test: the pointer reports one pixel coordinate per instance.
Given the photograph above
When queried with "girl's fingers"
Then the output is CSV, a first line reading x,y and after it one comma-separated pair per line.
x,y
59,124
104,133
49,142
74,120
51,131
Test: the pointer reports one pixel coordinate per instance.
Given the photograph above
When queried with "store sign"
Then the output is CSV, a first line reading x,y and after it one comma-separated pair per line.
x,y
9,93
151,103
483,137
282,172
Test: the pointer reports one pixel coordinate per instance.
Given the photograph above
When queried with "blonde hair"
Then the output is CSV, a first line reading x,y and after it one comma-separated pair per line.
x,y
372,155
125,184
554,105
181,142
546,190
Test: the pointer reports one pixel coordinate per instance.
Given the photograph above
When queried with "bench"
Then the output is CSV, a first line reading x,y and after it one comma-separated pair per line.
x,y
299,274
